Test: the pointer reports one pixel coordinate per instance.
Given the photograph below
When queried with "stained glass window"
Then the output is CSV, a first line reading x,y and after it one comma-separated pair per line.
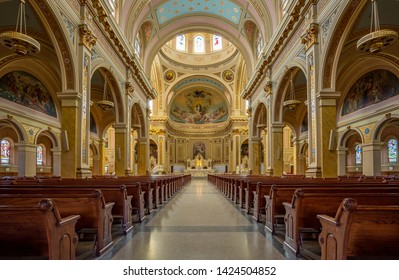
x,y
392,150
181,43
199,45
39,155
5,151
358,154
217,43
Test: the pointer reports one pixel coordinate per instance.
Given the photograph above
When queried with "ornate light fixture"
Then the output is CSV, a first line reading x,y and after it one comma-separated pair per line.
x,y
18,41
377,39
105,104
291,103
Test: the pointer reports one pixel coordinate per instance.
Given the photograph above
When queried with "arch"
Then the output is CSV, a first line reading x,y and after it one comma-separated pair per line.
x,y
260,119
16,126
347,134
382,124
341,27
56,142
185,25
283,90
115,88
138,120
47,10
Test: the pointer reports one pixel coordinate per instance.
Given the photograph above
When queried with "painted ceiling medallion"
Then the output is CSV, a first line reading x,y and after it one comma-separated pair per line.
x,y
228,76
169,76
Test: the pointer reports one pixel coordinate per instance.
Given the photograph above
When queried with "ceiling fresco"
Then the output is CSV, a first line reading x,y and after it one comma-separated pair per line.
x,y
198,106
173,9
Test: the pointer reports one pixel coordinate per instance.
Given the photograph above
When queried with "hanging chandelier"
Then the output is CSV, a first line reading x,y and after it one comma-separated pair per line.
x,y
18,41
105,104
377,39
291,103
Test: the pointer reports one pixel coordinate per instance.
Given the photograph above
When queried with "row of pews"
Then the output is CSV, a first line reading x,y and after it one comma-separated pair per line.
x,y
45,218
337,218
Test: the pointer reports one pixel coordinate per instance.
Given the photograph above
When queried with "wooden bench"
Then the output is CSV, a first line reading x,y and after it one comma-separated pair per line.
x,y
360,232
35,229
301,213
95,213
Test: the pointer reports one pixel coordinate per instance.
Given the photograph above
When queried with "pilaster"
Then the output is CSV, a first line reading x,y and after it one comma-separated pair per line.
x,y
70,126
326,128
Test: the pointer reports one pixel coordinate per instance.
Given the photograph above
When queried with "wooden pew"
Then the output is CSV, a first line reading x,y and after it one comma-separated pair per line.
x,y
95,213
301,213
275,210
36,230
360,232
259,210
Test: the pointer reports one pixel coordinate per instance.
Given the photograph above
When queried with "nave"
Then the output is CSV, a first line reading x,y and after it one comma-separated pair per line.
x,y
198,223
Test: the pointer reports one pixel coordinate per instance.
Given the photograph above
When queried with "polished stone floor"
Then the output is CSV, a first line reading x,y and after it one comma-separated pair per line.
x,y
198,223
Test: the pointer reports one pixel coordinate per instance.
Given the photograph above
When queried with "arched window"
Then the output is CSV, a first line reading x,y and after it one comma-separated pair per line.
x,y
199,44
181,43
358,154
392,150
5,151
217,43
39,155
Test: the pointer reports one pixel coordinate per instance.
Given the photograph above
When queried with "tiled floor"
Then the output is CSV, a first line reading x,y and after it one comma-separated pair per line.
x,y
199,223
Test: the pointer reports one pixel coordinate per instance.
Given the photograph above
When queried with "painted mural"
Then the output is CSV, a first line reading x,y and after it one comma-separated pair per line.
x,y
371,88
24,89
199,148
198,107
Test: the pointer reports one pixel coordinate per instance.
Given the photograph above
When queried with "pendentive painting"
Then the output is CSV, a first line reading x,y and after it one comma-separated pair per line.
x,y
199,107
24,89
371,88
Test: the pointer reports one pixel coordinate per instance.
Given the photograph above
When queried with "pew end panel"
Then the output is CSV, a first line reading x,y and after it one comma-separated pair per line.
x,y
35,229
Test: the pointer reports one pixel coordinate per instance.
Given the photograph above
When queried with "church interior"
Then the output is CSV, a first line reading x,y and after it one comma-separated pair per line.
x,y
221,95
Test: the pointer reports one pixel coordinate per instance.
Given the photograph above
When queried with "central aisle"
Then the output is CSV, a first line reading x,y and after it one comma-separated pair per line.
x,y
198,223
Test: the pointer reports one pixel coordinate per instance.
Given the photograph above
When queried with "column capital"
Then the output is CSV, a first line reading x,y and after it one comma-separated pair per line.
x,y
69,98
120,127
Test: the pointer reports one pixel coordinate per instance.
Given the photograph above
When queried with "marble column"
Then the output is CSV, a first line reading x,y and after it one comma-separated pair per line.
x,y
142,152
121,160
341,156
57,155
275,150
371,159
255,155
26,159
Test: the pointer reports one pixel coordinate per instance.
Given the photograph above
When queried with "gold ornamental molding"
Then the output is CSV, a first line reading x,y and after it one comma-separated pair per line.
x,y
310,37
87,37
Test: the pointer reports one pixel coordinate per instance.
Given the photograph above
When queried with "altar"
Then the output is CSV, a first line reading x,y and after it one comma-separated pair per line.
x,y
199,167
